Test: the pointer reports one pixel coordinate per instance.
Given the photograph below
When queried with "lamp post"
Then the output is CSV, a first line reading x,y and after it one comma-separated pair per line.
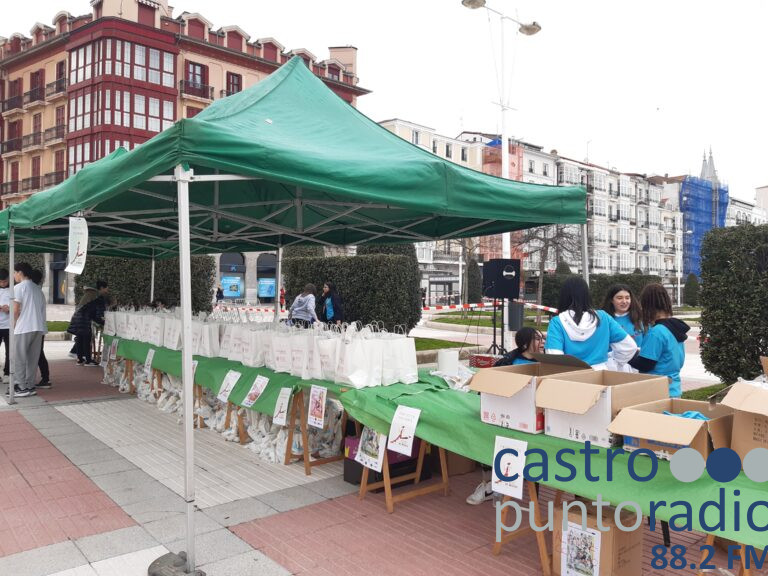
x,y
529,30
680,265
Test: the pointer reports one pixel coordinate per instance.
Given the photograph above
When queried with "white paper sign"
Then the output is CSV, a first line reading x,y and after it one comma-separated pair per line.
x,y
403,430
148,362
580,551
281,407
316,417
256,390
370,451
228,384
194,368
78,245
509,466
113,349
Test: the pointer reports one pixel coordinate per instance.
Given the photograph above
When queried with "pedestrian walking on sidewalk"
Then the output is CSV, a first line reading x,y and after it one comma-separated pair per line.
x,y
42,363
90,309
302,312
5,317
29,328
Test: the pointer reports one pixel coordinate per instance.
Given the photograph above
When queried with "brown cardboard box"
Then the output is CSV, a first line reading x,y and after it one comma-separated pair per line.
x,y
646,426
750,422
621,553
580,405
508,393
457,464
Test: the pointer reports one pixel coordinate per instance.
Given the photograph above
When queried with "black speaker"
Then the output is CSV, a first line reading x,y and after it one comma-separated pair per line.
x,y
501,278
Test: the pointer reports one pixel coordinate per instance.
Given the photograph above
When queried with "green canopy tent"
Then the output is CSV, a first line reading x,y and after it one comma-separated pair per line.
x,y
282,163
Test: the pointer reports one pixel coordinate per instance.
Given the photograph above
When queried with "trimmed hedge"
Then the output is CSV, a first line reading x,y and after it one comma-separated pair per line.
x,y
734,296
376,287
35,260
129,280
598,286
691,290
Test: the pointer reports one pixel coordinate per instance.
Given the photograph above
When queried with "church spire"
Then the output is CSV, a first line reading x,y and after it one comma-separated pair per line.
x,y
704,166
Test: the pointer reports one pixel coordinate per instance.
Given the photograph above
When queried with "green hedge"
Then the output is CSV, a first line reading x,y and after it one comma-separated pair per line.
x,y
598,286
129,280
474,282
376,287
691,290
734,297
34,260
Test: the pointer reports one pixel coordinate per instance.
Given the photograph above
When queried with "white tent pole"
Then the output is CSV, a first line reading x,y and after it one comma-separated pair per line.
x,y
152,280
183,178
278,282
12,311
585,253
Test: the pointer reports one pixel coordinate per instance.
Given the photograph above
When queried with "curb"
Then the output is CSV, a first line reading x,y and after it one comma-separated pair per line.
x,y
58,336
430,356
460,328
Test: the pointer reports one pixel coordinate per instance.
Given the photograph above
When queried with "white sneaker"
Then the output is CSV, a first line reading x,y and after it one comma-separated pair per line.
x,y
482,493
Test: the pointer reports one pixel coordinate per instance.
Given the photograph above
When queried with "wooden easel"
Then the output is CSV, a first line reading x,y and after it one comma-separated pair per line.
x,y
744,571
541,543
297,405
241,433
392,499
129,374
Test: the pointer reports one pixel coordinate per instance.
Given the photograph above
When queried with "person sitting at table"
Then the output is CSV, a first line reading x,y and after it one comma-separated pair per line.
x,y
586,333
529,341
663,351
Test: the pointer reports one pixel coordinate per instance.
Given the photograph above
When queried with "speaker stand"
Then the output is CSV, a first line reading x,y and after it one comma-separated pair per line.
x,y
495,348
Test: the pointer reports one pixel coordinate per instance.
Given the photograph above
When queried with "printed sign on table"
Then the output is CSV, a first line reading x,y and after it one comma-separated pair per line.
x,y
194,368
281,407
370,451
257,388
228,384
148,362
580,551
113,349
509,466
78,245
316,416
403,430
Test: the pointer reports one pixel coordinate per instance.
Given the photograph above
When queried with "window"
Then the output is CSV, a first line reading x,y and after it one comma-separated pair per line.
x,y
415,137
531,166
625,187
545,169
192,111
58,163
448,151
146,15
434,146
168,73
463,153
234,83
139,112
168,109
599,206
194,74
140,63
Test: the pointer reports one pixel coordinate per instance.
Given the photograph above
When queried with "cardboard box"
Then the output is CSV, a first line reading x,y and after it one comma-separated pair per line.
x,y
611,553
646,426
508,393
750,422
483,360
581,405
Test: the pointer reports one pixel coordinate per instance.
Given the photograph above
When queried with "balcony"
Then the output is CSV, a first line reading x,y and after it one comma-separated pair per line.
x,y
56,89
34,140
614,244
225,93
34,98
12,105
614,218
53,178
9,188
30,184
196,89
437,255
13,145
55,134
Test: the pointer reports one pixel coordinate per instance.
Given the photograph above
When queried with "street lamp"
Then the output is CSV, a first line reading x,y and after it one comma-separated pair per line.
x,y
680,266
528,30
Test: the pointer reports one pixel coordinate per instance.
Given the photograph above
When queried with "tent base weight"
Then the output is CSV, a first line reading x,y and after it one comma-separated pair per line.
x,y
171,565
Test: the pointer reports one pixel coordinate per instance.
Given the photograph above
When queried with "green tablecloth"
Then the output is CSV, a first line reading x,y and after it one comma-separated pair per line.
x,y
451,420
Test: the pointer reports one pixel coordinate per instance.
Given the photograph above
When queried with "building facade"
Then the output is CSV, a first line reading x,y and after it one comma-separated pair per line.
x,y
77,90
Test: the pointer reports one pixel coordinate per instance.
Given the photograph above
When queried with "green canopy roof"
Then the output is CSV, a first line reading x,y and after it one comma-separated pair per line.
x,y
301,166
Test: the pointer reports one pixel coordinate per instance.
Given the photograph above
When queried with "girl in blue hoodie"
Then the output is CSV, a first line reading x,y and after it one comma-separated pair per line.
x,y
663,351
579,330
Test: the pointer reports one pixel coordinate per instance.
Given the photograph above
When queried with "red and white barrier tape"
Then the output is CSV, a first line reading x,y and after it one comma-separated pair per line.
x,y
488,305
245,309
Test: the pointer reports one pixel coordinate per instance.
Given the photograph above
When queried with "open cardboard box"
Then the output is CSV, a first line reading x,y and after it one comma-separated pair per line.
x,y
750,422
508,393
646,426
580,405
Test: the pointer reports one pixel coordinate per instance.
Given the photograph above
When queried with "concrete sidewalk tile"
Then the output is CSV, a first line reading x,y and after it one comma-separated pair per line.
x,y
132,564
155,509
43,561
119,464
79,571
139,492
123,479
291,498
115,543
89,455
332,487
63,431
239,511
213,546
175,527
245,564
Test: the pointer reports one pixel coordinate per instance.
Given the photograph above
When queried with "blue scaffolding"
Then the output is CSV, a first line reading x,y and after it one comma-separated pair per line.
x,y
703,204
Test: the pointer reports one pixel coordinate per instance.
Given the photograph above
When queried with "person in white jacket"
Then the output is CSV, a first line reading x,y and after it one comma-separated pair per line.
x,y
588,334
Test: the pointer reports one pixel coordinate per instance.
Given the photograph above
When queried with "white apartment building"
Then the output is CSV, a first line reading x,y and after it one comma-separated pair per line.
x,y
742,211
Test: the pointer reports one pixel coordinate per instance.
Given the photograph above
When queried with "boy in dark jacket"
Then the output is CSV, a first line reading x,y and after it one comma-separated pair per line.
x,y
90,309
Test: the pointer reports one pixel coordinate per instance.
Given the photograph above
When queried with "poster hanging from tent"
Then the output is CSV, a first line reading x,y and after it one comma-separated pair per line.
x,y
78,245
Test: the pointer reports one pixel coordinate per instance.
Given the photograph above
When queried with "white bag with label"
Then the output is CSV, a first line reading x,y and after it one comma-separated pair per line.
x,y
281,351
225,346
300,346
351,364
155,329
109,324
324,367
172,333
236,347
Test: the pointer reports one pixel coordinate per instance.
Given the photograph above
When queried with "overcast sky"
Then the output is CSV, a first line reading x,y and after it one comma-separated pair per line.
x,y
640,86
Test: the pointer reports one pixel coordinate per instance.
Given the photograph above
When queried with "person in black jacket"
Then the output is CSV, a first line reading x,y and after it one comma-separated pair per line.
x,y
90,309
331,306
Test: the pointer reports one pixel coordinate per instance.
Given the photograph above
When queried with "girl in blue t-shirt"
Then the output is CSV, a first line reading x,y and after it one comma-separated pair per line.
x,y
581,331
663,351
529,341
625,308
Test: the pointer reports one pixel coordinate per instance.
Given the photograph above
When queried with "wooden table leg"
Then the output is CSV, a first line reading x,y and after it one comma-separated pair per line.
x,y
291,423
241,432
387,485
444,471
305,436
228,417
710,541
363,483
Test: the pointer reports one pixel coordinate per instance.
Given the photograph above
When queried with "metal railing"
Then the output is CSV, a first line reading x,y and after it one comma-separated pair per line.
x,y
34,95
12,102
34,139
13,145
55,133
53,178
196,89
9,188
30,184
56,87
